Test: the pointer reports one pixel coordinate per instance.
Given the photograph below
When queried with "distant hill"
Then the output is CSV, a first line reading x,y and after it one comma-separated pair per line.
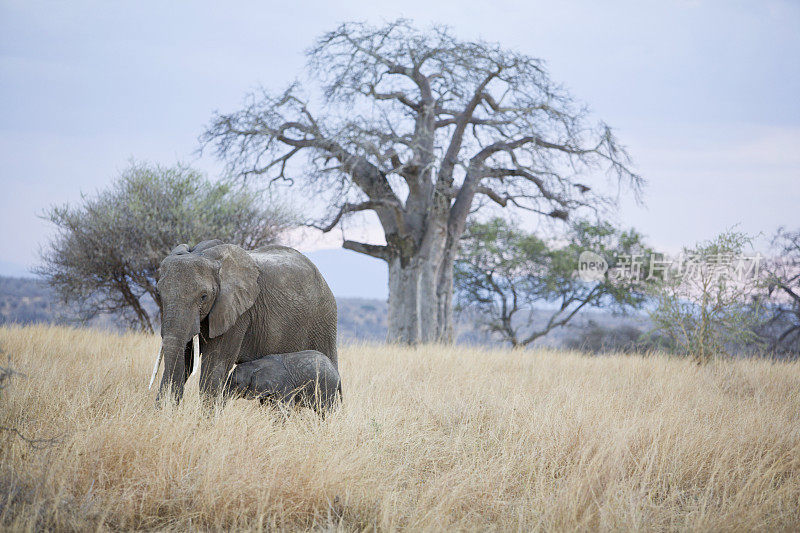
x,y
362,319
27,301
30,301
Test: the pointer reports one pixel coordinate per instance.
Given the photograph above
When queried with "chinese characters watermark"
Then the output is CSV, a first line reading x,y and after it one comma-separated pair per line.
x,y
641,267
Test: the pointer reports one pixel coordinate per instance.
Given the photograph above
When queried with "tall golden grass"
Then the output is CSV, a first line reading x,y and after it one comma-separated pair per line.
x,y
431,438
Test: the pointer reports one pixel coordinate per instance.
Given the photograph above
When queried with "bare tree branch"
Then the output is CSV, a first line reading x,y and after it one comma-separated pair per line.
x,y
353,208
372,250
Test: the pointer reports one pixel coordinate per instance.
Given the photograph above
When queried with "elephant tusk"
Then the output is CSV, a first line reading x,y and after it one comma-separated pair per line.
x,y
155,368
195,354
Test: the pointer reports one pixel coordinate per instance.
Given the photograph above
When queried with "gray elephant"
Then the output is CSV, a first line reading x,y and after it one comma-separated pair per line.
x,y
235,306
306,377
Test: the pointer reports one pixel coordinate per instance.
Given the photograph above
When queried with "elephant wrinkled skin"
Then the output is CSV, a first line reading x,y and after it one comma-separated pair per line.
x,y
306,377
242,304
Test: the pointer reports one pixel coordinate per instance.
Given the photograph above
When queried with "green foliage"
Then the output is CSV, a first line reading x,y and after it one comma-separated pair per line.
x,y
107,250
701,306
503,272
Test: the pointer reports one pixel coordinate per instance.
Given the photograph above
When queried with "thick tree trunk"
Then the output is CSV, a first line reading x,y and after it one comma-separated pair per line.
x,y
421,274
403,320
414,273
413,302
444,301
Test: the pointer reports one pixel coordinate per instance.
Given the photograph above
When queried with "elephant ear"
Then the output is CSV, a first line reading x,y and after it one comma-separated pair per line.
x,y
180,250
204,245
238,286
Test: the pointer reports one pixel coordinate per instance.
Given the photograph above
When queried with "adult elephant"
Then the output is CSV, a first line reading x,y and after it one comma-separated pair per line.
x,y
242,305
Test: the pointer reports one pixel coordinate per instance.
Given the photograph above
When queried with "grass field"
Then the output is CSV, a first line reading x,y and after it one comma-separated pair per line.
x,y
428,439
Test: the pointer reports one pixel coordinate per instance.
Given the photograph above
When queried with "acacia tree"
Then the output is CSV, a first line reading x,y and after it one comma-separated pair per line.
x,y
421,128
105,255
503,273
706,304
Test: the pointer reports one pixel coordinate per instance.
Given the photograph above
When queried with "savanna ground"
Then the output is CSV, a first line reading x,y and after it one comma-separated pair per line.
x,y
430,438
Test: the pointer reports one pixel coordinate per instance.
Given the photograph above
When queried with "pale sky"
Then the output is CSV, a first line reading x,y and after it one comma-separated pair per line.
x,y
704,94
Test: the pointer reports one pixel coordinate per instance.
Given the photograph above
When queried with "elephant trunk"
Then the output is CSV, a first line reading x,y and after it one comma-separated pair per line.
x,y
160,356
176,336
172,350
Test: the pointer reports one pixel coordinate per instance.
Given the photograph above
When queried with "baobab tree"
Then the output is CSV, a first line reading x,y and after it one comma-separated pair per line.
x,y
422,129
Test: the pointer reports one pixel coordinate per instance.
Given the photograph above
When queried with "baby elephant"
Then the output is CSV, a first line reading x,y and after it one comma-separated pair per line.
x,y
307,377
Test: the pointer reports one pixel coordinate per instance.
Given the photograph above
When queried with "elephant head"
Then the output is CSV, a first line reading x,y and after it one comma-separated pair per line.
x,y
211,282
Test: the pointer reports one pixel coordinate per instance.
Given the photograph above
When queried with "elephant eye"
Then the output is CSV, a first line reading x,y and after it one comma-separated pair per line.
x,y
203,297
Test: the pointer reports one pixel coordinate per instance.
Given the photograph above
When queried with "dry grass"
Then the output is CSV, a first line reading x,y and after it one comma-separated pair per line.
x,y
428,439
